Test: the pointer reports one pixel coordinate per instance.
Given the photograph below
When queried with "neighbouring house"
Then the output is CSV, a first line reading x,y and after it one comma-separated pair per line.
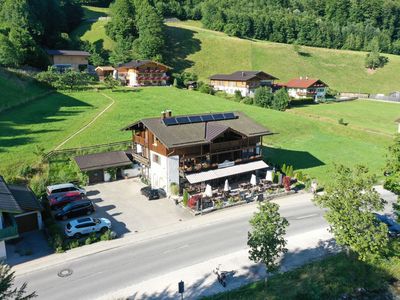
x,y
304,87
20,212
97,165
69,59
244,81
104,71
398,124
143,73
197,149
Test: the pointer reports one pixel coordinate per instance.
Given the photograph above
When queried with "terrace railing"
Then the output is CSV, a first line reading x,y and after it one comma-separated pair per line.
x,y
9,232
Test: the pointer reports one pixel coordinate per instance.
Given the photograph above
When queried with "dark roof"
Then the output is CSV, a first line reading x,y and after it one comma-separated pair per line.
x,y
137,63
196,133
7,200
243,76
26,199
398,120
103,160
68,52
303,82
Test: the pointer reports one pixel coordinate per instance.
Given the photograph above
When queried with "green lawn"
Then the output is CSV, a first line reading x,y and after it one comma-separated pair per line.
x,y
367,115
207,52
17,88
304,142
94,32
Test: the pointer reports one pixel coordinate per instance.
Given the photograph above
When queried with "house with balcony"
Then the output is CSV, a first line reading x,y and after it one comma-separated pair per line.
x,y
143,73
246,82
20,212
306,88
196,149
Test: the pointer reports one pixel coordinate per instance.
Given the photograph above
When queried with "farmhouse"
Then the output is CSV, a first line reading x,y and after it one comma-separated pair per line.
x,y
304,87
244,81
193,149
143,73
104,71
65,59
20,212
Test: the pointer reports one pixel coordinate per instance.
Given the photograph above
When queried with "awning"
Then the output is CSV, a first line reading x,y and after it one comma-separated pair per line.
x,y
226,172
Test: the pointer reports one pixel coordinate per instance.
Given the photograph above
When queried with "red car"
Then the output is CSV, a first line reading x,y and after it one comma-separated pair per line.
x,y
58,202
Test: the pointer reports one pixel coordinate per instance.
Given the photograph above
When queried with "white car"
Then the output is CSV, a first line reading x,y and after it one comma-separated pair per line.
x,y
77,228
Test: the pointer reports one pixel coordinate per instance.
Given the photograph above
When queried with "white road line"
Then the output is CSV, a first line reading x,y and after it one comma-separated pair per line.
x,y
177,248
306,217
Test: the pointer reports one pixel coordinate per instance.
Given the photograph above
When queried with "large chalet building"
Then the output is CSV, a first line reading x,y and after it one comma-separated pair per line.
x,y
69,59
193,149
244,81
143,73
304,87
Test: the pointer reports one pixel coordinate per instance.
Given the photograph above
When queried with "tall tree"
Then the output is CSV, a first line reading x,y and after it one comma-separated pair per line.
x,y
392,181
266,238
123,23
350,200
7,291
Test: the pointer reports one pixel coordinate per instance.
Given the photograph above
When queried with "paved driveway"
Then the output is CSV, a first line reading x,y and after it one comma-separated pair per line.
x,y
129,211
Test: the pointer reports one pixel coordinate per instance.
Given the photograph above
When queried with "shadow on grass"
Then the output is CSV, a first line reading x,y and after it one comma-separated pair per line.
x,y
45,110
297,159
180,44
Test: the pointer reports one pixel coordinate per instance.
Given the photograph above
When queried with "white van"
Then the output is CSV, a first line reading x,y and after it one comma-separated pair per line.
x,y
61,189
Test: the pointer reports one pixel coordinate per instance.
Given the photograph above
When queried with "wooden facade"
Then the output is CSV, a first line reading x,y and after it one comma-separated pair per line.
x,y
148,73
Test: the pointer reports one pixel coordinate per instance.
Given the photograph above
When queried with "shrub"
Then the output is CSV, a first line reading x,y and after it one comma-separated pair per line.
x,y
185,198
263,97
374,60
286,183
26,171
247,100
205,88
238,96
218,204
111,83
342,122
73,244
289,171
106,236
174,188
284,168
281,100
92,238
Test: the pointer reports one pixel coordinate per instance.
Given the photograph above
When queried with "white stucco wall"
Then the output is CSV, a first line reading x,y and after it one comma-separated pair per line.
x,y
293,92
231,90
132,78
164,172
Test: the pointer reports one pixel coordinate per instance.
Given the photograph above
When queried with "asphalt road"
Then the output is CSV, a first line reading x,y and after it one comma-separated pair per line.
x,y
107,271
104,272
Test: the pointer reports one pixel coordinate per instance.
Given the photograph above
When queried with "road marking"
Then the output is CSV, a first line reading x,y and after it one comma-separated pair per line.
x,y
306,217
178,248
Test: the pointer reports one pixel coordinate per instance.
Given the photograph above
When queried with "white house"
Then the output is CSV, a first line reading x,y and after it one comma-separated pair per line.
x,y
244,81
304,87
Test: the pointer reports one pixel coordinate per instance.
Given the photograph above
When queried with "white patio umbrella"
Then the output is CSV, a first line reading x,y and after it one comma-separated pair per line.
x,y
226,186
253,180
268,176
208,191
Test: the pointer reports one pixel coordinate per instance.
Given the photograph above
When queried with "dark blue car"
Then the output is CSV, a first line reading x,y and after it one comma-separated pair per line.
x,y
393,226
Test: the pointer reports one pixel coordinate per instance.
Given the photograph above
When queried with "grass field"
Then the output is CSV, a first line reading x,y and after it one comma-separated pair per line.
x,y
94,32
206,52
307,143
17,88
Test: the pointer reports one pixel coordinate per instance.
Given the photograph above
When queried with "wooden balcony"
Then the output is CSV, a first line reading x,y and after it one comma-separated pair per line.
x,y
9,232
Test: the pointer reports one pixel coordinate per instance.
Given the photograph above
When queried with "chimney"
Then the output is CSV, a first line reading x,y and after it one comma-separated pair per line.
x,y
163,115
243,74
168,113
306,77
301,77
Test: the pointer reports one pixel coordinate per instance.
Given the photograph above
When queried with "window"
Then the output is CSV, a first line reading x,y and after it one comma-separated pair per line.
x,y
155,140
156,158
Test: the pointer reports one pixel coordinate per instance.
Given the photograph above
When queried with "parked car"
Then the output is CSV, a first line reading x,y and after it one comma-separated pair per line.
x,y
77,228
61,189
150,193
62,200
393,226
75,209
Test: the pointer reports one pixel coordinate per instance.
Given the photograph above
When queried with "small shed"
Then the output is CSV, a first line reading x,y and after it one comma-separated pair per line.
x,y
104,71
97,164
31,218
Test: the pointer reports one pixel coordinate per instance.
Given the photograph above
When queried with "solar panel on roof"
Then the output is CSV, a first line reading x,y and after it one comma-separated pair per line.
x,y
229,116
182,120
218,117
207,118
195,119
170,121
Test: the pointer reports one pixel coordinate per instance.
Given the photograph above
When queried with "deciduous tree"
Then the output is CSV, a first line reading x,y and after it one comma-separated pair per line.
x,y
266,238
350,200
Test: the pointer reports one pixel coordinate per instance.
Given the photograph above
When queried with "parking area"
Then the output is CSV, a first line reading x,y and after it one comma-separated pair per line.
x,y
129,211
